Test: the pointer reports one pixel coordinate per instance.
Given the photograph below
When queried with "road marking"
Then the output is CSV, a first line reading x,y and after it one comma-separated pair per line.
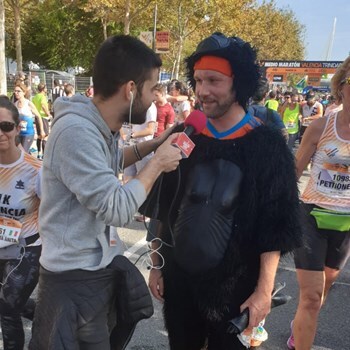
x,y
134,248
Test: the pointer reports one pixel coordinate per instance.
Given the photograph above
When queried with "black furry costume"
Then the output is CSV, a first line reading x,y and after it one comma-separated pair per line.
x,y
266,219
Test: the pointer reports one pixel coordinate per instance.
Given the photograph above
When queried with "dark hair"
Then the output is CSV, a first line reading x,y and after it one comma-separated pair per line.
x,y
121,59
6,103
179,86
242,58
56,82
41,87
272,94
262,90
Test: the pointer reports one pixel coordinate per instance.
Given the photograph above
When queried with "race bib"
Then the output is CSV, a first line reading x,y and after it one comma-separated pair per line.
x,y
23,125
334,180
10,231
290,125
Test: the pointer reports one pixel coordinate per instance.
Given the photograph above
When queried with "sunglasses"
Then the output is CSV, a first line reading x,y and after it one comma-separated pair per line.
x,y
217,41
7,126
346,81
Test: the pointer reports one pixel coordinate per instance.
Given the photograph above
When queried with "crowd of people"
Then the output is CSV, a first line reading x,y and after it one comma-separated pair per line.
x,y
220,219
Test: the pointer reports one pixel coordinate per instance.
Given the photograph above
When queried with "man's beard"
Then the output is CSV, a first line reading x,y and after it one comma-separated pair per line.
x,y
221,108
138,113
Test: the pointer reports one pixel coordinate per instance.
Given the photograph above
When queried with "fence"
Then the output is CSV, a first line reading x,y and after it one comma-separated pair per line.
x,y
47,77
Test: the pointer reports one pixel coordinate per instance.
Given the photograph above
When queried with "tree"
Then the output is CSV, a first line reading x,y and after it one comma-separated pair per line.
x,y
65,33
61,35
117,11
18,7
104,11
3,83
189,21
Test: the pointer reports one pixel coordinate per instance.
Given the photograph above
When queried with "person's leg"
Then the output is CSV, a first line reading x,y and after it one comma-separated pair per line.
x,y
291,141
337,255
19,280
46,131
311,288
38,139
186,329
26,142
310,263
38,145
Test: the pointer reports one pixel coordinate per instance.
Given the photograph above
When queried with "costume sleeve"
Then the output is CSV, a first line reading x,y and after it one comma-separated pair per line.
x,y
159,201
271,194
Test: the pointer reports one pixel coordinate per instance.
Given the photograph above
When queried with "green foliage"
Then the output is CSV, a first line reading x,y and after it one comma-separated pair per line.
x,y
60,36
63,33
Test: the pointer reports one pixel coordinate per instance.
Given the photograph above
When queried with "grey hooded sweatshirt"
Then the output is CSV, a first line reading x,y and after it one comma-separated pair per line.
x,y
81,193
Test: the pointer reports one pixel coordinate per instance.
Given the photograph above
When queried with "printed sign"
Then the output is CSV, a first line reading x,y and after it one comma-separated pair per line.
x,y
147,38
162,42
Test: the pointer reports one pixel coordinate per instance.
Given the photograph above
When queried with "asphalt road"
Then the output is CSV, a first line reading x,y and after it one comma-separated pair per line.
x,y
334,323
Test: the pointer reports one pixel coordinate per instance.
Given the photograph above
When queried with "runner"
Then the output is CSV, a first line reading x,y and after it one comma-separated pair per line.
x,y
20,245
41,104
325,211
26,111
291,112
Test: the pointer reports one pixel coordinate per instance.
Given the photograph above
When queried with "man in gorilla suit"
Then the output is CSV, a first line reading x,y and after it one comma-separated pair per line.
x,y
229,211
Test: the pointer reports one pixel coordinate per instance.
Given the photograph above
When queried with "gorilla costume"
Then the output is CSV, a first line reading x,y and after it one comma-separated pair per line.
x,y
225,205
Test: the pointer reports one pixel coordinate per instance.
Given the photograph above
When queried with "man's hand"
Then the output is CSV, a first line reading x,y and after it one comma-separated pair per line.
x,y
167,155
259,305
156,284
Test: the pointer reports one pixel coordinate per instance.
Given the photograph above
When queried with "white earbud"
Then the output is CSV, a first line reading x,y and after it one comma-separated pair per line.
x,y
131,95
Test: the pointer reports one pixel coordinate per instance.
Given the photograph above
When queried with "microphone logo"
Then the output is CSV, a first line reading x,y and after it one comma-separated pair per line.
x,y
185,144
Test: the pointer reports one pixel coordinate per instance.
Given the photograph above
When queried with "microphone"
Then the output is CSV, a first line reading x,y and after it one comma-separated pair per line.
x,y
194,124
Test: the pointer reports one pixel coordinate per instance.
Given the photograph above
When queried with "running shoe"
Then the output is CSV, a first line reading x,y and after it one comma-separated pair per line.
x,y
290,341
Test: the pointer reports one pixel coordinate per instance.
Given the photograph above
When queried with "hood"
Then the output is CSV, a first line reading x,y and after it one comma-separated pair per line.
x,y
80,106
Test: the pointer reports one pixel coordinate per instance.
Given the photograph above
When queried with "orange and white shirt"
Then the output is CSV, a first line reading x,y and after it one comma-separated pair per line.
x,y
329,184
20,196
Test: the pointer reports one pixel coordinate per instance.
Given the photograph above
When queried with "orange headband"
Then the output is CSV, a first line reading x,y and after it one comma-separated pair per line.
x,y
215,63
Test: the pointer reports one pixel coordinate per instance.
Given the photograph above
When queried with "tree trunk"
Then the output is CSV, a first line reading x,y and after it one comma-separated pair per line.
x,y
127,17
104,26
17,16
178,57
3,82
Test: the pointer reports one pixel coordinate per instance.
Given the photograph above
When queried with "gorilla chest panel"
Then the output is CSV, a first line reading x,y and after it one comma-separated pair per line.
x,y
203,227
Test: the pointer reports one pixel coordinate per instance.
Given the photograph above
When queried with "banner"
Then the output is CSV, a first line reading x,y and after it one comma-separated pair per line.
x,y
162,42
147,38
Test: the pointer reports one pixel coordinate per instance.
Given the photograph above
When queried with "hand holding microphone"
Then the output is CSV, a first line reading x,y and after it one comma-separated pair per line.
x,y
169,155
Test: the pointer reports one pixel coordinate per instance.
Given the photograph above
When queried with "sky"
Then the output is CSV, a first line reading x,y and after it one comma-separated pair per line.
x,y
318,17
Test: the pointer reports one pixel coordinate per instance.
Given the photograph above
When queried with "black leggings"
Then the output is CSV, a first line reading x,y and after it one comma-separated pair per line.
x,y
16,288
